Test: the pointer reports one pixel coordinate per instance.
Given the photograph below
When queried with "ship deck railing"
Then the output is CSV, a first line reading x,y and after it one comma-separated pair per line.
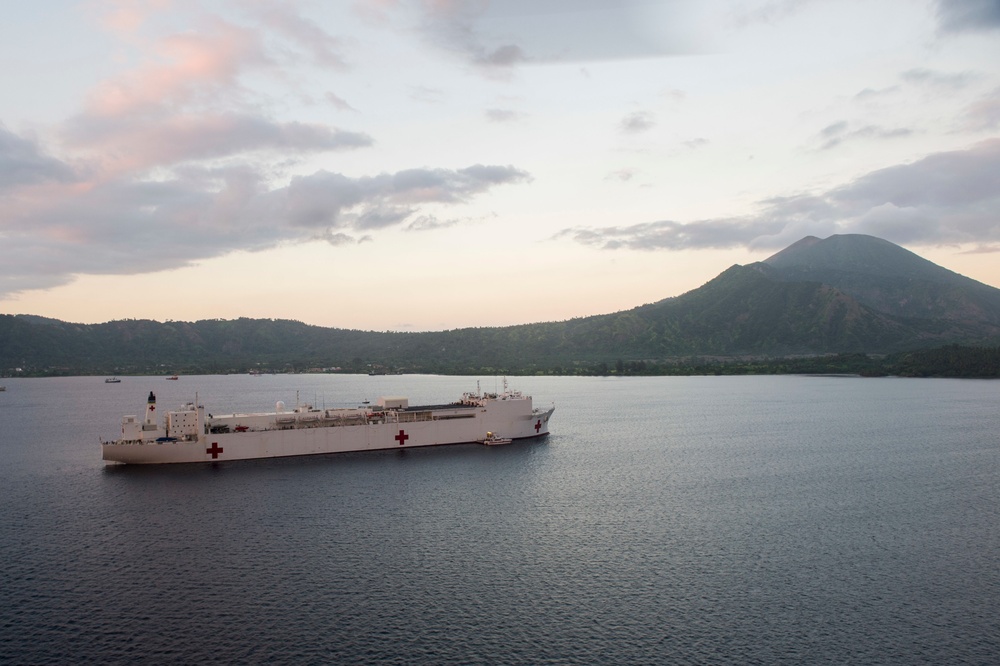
x,y
408,415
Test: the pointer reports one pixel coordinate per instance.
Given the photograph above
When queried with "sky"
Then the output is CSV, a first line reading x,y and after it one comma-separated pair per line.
x,y
415,165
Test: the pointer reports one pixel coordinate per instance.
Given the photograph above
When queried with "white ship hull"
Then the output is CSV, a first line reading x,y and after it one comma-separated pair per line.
x,y
187,436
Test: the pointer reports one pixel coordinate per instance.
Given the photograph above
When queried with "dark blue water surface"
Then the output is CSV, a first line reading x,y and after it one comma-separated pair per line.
x,y
706,520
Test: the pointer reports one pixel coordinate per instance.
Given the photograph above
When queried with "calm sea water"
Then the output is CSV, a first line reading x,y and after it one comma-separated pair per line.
x,y
705,520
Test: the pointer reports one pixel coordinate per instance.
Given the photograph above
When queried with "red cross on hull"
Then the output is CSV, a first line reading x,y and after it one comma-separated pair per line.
x,y
215,450
401,437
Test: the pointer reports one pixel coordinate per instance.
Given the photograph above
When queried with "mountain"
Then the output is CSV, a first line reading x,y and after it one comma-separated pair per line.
x,y
843,294
887,278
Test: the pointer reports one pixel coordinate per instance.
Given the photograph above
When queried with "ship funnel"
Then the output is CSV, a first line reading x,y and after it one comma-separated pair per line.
x,y
151,409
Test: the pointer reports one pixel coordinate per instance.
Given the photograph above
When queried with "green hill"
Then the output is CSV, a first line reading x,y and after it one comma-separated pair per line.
x,y
845,294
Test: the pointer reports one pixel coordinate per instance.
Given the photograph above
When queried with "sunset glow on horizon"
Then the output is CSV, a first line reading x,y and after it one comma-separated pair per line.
x,y
417,165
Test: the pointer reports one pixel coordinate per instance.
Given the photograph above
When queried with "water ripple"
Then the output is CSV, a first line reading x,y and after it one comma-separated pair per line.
x,y
689,521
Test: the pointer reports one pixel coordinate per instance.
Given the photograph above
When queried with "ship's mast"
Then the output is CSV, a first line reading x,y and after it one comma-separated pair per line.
x,y
199,419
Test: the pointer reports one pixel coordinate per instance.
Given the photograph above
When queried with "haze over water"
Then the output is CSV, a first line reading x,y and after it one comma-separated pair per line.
x,y
665,520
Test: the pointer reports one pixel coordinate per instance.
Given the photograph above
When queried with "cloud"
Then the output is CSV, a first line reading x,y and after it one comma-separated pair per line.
x,y
338,238
945,198
183,137
769,12
173,161
427,95
673,95
338,102
983,249
943,181
382,215
327,199
446,186
132,224
325,49
968,15
122,17
502,56
191,68
983,114
502,115
22,163
624,175
636,123
118,228
671,235
929,77
837,133
872,93
833,130
432,222
184,101
375,12
496,36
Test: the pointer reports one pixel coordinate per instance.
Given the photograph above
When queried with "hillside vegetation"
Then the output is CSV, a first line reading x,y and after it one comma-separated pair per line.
x,y
845,297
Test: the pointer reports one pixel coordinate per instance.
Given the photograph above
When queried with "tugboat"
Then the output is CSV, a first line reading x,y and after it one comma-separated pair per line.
x,y
495,440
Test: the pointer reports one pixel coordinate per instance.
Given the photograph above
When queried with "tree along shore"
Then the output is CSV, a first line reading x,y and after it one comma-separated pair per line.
x,y
950,361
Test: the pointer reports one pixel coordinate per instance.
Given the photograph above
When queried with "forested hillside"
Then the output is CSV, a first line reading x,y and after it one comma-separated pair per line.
x,y
845,295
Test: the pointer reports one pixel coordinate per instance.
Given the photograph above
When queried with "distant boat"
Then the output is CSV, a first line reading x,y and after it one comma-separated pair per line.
x,y
112,380
172,377
3,388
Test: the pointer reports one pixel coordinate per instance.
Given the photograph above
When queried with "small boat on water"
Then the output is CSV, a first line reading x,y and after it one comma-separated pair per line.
x,y
492,439
112,380
3,388
173,377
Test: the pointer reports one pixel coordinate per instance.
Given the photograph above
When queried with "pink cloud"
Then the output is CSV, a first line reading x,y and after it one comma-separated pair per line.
x,y
185,103
180,142
127,16
189,67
